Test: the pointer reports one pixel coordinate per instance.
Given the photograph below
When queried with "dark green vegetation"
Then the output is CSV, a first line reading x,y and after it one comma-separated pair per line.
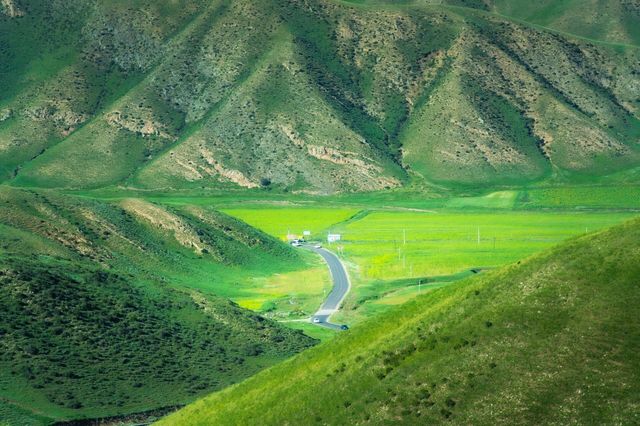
x,y
550,340
111,308
316,95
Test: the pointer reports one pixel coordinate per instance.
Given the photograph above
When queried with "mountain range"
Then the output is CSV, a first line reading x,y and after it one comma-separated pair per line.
x,y
316,96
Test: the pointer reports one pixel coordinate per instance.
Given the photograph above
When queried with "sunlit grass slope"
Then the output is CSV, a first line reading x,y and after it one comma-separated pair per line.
x,y
552,339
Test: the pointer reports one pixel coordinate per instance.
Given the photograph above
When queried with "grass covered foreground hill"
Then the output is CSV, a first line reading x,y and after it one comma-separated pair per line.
x,y
550,340
113,308
315,95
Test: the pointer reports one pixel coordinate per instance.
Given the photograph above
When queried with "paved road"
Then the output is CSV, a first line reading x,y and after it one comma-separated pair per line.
x,y
341,287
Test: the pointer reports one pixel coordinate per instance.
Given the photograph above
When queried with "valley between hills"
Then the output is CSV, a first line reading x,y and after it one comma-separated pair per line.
x,y
474,165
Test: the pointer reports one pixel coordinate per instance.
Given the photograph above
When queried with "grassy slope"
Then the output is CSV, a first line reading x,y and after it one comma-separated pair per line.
x,y
611,21
182,96
551,340
112,308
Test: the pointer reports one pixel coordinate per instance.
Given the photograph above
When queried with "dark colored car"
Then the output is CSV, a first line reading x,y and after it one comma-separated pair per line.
x,y
344,327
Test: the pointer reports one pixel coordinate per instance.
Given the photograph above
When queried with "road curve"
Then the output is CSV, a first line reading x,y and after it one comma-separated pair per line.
x,y
341,287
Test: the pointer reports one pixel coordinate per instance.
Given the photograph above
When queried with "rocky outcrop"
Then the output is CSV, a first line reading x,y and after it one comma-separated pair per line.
x,y
5,114
10,9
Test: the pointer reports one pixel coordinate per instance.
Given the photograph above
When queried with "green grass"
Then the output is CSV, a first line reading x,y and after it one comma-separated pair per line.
x,y
545,341
373,297
278,222
588,197
320,333
442,243
606,22
388,251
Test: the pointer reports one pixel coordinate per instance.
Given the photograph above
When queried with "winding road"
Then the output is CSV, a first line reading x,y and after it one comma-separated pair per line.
x,y
341,287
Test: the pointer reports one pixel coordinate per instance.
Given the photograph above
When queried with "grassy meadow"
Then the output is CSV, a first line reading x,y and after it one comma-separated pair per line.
x,y
391,245
279,222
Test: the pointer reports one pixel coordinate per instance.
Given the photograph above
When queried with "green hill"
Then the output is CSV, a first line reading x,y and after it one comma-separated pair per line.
x,y
316,95
612,21
550,340
113,308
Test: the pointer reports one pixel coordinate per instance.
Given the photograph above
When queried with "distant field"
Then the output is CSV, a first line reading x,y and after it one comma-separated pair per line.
x,y
401,243
382,246
278,222
582,197
389,245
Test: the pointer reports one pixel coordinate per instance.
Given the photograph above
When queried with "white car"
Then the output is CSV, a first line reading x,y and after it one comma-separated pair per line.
x,y
318,246
316,320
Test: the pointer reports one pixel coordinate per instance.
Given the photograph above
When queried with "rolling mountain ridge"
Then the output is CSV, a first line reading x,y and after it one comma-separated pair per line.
x,y
315,95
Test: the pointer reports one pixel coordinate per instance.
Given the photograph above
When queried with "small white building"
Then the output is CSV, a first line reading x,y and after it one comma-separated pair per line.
x,y
332,238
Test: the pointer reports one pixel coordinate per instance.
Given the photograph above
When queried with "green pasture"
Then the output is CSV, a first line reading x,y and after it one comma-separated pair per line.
x,y
392,244
279,222
389,245
388,251
582,197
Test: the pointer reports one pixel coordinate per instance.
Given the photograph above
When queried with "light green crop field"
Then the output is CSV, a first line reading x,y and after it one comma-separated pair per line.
x,y
391,245
279,222
623,196
398,244
381,247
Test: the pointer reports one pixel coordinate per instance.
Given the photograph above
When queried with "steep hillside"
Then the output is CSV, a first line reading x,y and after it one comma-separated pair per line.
x,y
551,340
313,95
105,309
